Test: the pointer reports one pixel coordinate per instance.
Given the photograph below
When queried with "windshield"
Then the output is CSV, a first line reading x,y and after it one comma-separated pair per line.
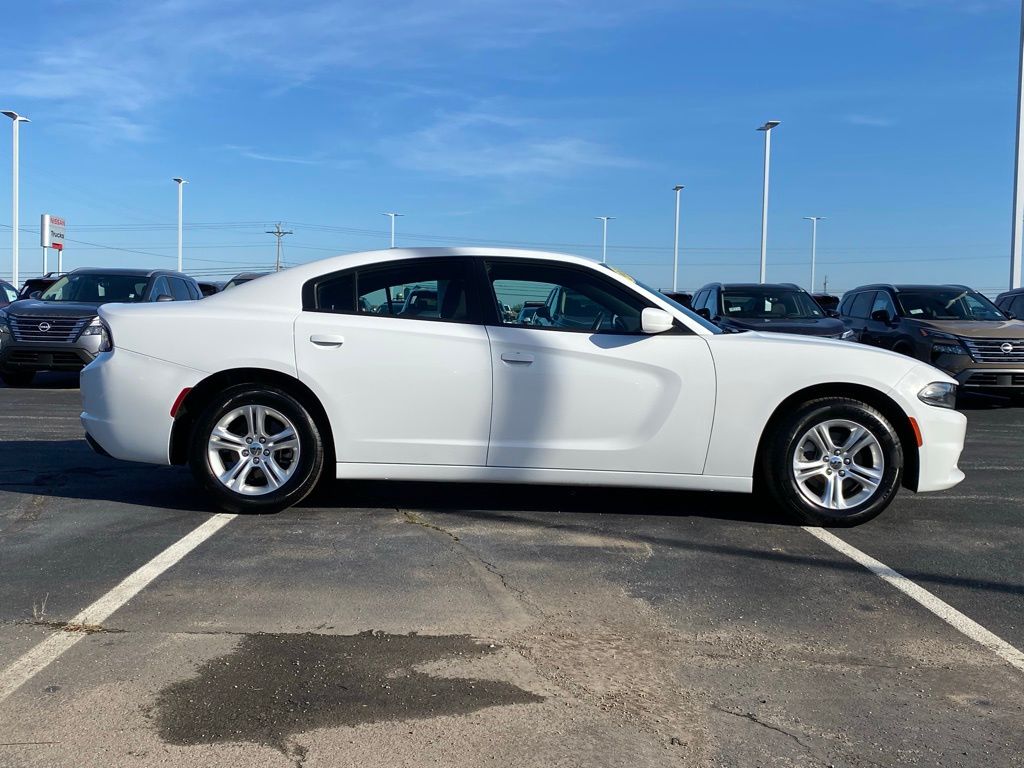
x,y
948,304
97,289
765,303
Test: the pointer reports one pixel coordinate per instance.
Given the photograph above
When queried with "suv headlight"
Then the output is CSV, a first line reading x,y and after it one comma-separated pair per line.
x,y
944,343
939,393
98,328
847,334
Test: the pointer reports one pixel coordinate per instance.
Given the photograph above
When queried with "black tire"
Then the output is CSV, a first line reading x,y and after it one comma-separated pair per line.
x,y
308,465
778,472
17,378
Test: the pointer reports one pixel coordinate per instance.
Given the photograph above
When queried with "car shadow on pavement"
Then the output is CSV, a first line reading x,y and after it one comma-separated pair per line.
x,y
50,380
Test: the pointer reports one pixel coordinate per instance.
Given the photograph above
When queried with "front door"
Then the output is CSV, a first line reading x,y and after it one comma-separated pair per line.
x,y
397,357
581,387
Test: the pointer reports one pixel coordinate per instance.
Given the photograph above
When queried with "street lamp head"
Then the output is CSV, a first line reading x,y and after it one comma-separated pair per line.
x,y
769,125
180,180
677,187
815,218
605,218
392,215
15,116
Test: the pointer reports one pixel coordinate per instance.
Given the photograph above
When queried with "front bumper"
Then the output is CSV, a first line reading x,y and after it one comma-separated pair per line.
x,y
943,432
991,378
126,404
22,356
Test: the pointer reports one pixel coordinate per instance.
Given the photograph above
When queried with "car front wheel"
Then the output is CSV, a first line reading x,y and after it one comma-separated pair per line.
x,y
256,449
833,461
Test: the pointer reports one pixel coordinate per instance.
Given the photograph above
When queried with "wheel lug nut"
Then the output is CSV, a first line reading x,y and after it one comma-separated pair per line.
x,y
256,461
263,439
838,452
842,473
846,461
248,439
828,471
266,452
245,453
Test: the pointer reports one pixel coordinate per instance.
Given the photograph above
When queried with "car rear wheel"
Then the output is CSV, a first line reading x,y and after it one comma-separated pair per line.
x,y
256,449
17,378
834,461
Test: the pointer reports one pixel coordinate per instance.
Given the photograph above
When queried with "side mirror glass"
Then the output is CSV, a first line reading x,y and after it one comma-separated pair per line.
x,y
164,297
881,315
704,312
653,320
543,313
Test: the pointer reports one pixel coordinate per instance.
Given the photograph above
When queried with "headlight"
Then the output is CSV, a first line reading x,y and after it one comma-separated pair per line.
x,y
98,328
948,349
847,334
944,343
939,394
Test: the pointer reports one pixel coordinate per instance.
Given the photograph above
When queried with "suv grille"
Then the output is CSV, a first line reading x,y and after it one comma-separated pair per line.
x,y
52,330
991,350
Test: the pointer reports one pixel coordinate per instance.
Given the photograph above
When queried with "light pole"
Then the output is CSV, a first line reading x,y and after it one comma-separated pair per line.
x,y
604,236
279,234
767,128
181,183
393,216
15,119
1017,236
675,251
814,243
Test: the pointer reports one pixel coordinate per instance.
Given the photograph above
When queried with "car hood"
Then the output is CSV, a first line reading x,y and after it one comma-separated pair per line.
x,y
823,326
36,308
978,329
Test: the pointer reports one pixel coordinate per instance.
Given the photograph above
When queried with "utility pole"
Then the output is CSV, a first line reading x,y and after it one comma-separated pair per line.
x,y
604,236
278,233
767,128
675,251
1017,236
824,288
16,119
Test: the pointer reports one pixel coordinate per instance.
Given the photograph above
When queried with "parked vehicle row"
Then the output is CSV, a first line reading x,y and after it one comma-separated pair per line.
x,y
59,328
609,382
780,308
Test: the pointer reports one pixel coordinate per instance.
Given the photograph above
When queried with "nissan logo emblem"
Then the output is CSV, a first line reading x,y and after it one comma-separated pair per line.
x,y
44,327
1007,348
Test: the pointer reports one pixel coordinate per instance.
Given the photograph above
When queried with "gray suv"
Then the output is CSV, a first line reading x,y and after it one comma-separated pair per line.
x,y
59,329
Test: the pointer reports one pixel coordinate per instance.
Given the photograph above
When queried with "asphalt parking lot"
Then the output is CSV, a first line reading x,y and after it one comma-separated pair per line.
x,y
412,625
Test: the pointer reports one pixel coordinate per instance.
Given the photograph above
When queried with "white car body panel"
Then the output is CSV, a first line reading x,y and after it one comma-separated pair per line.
x,y
648,390
412,399
399,390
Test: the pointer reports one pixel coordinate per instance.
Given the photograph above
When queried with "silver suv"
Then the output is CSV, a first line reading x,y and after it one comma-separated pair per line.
x,y
59,329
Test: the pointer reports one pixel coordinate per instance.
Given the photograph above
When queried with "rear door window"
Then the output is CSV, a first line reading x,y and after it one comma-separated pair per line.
x,y
882,301
1017,307
179,289
862,305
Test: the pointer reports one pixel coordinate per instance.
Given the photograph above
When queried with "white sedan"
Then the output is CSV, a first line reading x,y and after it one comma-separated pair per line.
x,y
402,364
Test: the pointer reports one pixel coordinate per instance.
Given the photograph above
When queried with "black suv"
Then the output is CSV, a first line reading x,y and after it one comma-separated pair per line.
x,y
59,329
776,308
950,326
1012,303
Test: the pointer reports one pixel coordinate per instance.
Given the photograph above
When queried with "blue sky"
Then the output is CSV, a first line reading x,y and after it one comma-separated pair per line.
x,y
517,123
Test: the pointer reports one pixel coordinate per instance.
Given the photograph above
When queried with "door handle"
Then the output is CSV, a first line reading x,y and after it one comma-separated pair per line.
x,y
327,340
518,358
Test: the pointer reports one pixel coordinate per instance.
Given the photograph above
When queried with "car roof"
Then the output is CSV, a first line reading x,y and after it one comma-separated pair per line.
x,y
910,287
147,273
1011,292
749,286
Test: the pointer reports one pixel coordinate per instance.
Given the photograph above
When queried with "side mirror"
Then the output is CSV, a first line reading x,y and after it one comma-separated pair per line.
x,y
653,320
164,297
831,313
881,315
704,312
35,294
543,313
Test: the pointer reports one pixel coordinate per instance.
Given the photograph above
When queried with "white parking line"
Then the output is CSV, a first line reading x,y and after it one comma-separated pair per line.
x,y
943,610
14,676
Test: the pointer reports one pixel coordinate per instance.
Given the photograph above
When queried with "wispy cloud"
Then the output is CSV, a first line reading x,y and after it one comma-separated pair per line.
x,y
251,154
482,144
870,121
128,60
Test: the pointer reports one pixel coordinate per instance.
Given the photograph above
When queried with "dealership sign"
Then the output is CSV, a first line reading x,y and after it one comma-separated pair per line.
x,y
51,232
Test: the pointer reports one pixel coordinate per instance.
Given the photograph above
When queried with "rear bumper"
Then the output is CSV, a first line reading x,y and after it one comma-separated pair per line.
x,y
126,404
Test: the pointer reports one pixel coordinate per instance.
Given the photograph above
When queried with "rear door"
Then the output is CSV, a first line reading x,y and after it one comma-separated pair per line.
x,y
397,356
587,389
